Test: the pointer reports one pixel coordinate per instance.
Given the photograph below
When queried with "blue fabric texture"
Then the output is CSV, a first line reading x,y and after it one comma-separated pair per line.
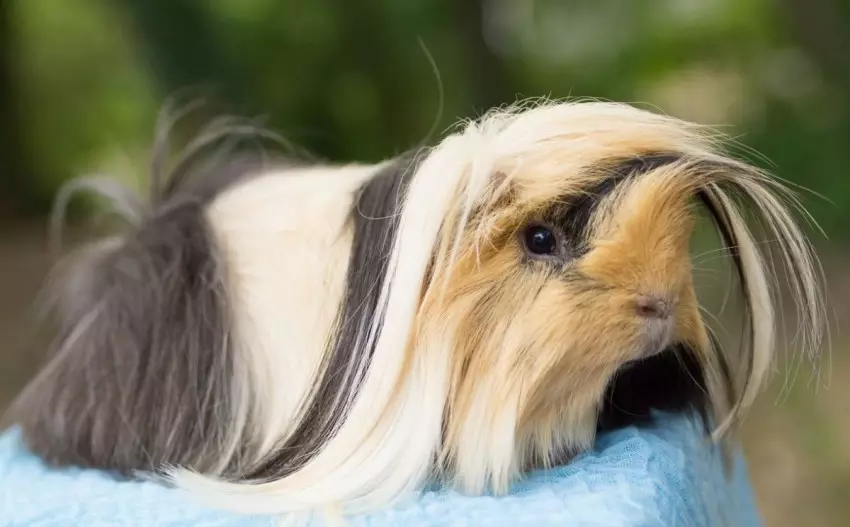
x,y
662,475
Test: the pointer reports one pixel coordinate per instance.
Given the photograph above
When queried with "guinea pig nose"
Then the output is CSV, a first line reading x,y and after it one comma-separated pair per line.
x,y
652,307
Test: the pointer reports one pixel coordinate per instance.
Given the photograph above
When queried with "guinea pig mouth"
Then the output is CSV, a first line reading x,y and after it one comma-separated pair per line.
x,y
656,336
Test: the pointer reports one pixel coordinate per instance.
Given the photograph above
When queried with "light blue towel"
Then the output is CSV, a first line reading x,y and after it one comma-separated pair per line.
x,y
665,475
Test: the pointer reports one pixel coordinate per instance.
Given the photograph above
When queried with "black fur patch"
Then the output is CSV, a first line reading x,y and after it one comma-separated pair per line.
x,y
671,381
573,213
375,226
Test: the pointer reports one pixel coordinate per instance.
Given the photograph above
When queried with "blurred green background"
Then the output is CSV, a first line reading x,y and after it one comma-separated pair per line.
x,y
81,83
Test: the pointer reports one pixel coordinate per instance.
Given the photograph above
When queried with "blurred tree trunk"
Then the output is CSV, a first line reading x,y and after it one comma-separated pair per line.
x,y
370,45
9,154
489,77
179,44
18,191
366,47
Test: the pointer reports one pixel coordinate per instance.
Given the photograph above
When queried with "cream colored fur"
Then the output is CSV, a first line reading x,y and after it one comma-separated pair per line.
x,y
285,238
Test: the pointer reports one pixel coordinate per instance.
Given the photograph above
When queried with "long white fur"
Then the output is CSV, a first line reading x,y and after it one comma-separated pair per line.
x,y
388,445
285,241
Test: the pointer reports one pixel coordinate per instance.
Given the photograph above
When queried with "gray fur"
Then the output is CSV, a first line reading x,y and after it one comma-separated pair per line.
x,y
141,372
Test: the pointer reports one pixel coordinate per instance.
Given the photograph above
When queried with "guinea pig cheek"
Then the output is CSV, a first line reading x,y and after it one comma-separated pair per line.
x,y
585,346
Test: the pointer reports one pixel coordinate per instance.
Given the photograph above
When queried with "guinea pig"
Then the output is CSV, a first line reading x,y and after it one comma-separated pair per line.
x,y
276,335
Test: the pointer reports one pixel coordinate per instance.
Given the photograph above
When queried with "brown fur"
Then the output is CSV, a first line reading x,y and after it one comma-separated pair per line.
x,y
537,345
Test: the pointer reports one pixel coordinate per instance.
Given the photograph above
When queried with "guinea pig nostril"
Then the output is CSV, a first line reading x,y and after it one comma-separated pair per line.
x,y
651,307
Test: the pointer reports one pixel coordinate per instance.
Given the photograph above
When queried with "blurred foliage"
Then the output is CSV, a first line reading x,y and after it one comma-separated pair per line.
x,y
349,79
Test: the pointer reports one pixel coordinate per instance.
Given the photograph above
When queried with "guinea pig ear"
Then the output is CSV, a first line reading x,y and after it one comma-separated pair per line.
x,y
503,192
501,184
488,215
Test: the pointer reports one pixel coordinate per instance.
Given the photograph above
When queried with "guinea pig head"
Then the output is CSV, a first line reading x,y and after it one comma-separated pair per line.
x,y
574,271
562,296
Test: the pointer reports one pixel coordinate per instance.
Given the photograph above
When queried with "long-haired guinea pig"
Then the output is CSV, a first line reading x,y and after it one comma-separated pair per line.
x,y
289,336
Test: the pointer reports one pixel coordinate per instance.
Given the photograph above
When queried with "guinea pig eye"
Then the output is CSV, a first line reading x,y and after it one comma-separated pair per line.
x,y
540,240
